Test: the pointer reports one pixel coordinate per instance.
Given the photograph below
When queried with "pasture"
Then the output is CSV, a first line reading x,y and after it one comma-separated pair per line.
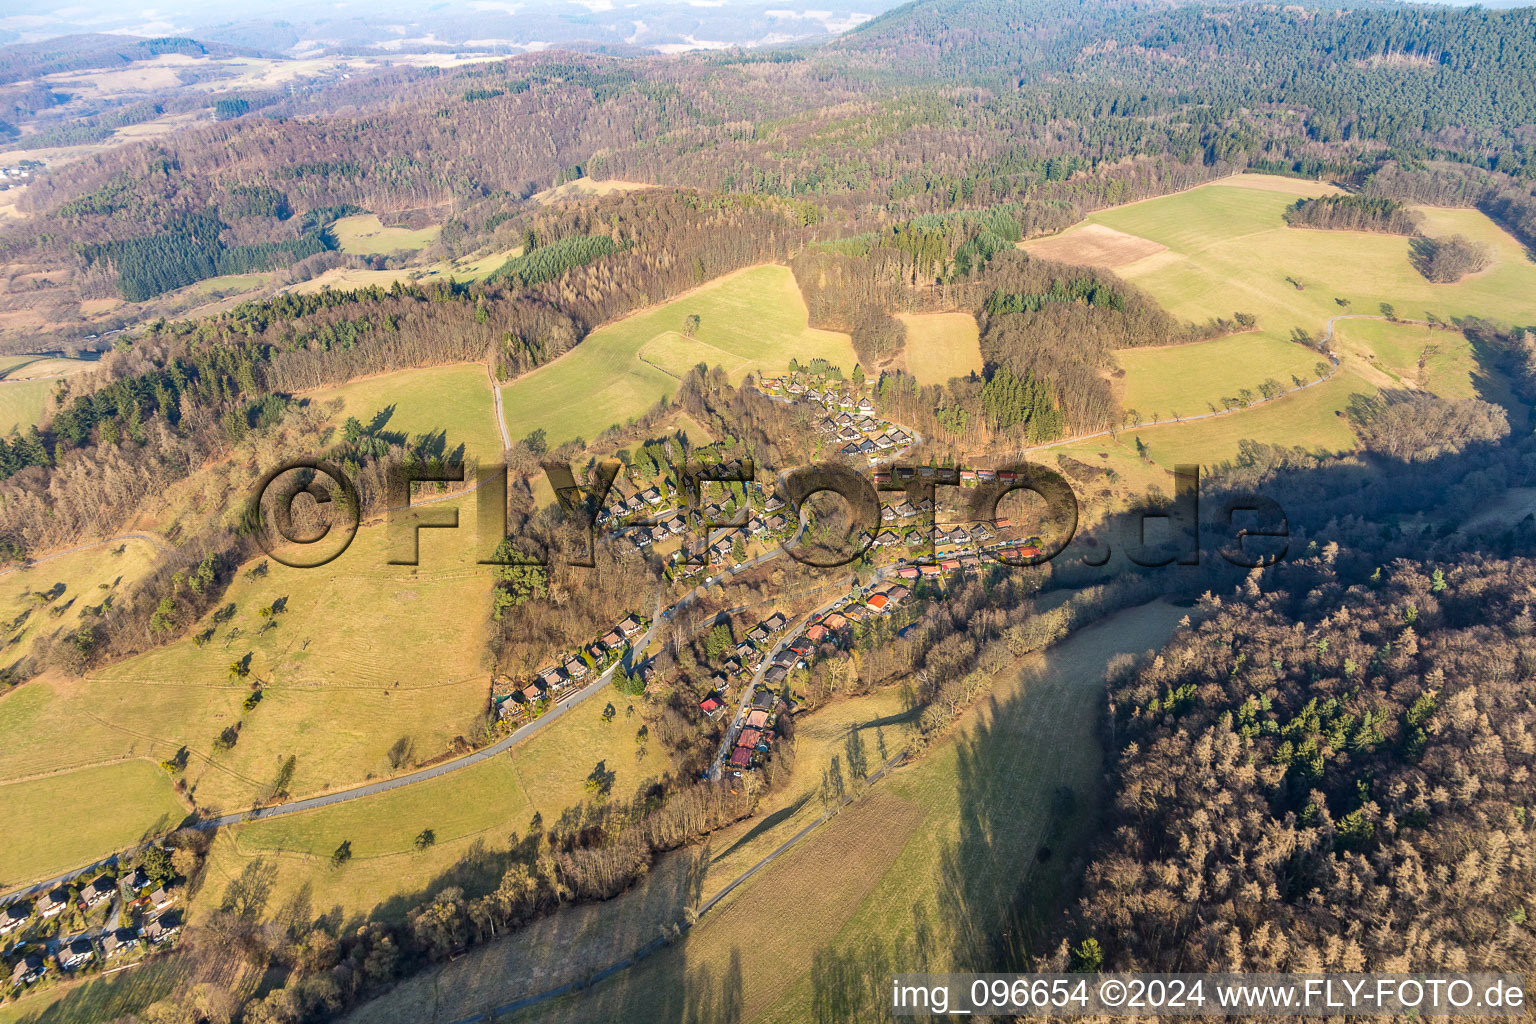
x,y
454,400
364,235
64,820
26,382
1183,380
941,345
752,320
469,811
353,279
1228,249
1313,419
342,664
53,596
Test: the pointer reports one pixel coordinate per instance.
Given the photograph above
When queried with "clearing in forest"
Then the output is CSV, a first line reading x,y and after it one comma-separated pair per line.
x,y
364,235
940,346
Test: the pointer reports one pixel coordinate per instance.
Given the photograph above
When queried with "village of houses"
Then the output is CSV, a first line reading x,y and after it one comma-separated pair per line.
x,y
88,924
919,543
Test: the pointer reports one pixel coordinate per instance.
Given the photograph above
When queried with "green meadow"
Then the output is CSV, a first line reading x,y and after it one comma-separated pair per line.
x,y
364,235
64,820
1184,380
752,320
1230,250
452,399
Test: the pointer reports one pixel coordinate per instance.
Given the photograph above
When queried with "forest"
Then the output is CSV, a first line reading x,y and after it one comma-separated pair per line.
x,y
1332,774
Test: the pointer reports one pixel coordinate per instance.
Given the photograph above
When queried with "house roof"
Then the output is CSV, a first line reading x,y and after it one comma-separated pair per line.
x,y
741,757
758,719
749,737
764,699
878,602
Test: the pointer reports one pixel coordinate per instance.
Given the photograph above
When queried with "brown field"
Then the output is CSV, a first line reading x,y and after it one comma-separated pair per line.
x,y
1094,245
583,187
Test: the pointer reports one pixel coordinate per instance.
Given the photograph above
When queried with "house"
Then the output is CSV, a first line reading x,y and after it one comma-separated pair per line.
x,y
117,942
749,737
907,572
837,620
775,622
747,653
866,406
160,899
52,904
898,594
1029,551
816,634
929,572
575,668
160,929
969,562
741,757
77,953
967,475
27,970
877,602
773,504
802,645
776,524
856,613
883,441
776,675
13,916
900,437
758,719
848,449
950,565
844,420
1003,523
551,678
887,513
867,447
711,707
906,510
865,425
651,496
959,536
612,640
103,888
731,667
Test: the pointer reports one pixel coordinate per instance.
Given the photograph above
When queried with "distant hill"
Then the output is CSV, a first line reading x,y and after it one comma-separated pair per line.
x,y
83,52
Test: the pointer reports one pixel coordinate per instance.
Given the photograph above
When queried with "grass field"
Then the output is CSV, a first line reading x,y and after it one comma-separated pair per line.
x,y
1226,248
1189,379
25,384
1230,250
477,806
74,582
941,346
753,319
346,673
1312,419
351,279
72,818
455,399
364,235
1450,368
